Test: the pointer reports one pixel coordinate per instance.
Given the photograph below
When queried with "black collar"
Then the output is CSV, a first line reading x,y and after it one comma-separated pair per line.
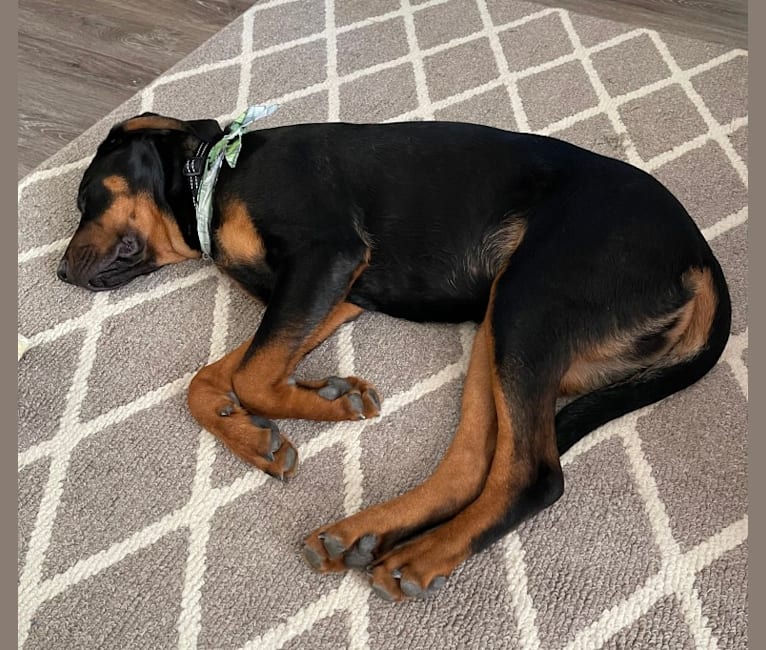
x,y
194,167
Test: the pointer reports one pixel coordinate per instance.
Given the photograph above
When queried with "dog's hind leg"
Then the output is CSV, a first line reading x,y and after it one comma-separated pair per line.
x,y
664,342
525,474
458,479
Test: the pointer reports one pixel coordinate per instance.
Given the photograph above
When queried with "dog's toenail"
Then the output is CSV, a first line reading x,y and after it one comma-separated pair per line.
x,y
291,456
312,557
410,588
333,546
355,399
226,411
367,543
329,392
396,573
233,397
276,440
261,423
380,591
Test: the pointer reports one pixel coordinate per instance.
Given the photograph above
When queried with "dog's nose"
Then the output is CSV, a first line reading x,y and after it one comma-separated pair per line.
x,y
61,272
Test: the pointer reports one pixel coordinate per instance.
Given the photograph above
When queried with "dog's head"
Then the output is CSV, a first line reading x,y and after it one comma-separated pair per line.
x,y
135,203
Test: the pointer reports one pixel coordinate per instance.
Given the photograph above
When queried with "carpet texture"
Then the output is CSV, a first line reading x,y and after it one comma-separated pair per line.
x,y
138,530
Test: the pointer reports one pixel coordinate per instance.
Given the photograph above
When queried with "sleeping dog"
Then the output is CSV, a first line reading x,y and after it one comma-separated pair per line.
x,y
586,276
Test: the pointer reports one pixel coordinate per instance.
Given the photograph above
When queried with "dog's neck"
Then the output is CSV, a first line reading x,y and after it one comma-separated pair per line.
x,y
194,167
184,166
193,170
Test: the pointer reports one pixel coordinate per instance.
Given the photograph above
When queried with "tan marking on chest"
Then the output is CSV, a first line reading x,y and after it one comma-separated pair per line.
x,y
237,238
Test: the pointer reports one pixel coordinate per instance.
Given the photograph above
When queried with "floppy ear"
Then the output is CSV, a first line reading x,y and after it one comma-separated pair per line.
x,y
205,130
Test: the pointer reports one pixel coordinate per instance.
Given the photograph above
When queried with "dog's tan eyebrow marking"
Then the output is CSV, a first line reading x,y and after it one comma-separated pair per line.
x,y
116,184
153,122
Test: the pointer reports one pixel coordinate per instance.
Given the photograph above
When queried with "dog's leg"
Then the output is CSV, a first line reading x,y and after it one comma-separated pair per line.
x,y
458,479
254,439
522,367
525,475
233,397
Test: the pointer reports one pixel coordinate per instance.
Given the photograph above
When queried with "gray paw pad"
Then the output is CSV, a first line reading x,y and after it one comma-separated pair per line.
x,y
336,386
333,545
360,555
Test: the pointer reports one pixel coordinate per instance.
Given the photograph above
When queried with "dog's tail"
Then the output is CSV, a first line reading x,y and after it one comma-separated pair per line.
x,y
583,415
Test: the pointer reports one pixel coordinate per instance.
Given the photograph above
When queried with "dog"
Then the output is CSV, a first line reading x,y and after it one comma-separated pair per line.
x,y
587,279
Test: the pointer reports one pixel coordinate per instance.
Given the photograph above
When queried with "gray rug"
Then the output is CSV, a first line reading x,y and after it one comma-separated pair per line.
x,y
138,530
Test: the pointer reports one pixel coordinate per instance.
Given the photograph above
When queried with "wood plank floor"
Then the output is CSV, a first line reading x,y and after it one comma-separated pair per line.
x,y
78,60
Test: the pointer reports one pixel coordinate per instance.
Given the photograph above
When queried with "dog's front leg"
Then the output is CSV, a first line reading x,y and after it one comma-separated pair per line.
x,y
233,397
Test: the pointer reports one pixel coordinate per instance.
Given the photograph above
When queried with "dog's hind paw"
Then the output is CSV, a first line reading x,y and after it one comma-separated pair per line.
x,y
326,552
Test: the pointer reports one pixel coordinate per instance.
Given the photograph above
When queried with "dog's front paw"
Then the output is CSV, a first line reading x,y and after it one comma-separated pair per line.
x,y
258,441
359,398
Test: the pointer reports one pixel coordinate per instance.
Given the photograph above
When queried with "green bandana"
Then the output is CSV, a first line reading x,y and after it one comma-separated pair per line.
x,y
227,148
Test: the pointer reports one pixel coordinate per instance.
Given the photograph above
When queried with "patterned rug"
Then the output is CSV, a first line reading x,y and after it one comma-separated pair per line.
x,y
138,530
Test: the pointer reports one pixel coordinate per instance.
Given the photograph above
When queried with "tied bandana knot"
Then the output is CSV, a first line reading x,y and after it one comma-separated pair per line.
x,y
227,148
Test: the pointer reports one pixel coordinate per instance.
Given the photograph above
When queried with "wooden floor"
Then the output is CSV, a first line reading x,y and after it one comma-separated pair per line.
x,y
79,59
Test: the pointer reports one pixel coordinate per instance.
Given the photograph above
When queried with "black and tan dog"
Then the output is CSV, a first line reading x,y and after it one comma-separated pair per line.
x,y
586,275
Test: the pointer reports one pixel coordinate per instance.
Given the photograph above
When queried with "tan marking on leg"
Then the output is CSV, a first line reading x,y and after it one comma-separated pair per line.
x,y
237,237
694,333
262,384
596,366
435,555
457,480
342,313
211,404
614,358
263,381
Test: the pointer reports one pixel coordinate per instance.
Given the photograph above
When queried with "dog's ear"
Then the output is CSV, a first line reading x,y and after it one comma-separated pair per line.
x,y
205,130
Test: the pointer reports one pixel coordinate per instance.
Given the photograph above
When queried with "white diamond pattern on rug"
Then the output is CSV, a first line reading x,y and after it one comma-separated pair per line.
x,y
31,481
208,555
663,625
104,497
118,372
235,605
696,453
725,603
41,401
599,492
37,282
130,614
